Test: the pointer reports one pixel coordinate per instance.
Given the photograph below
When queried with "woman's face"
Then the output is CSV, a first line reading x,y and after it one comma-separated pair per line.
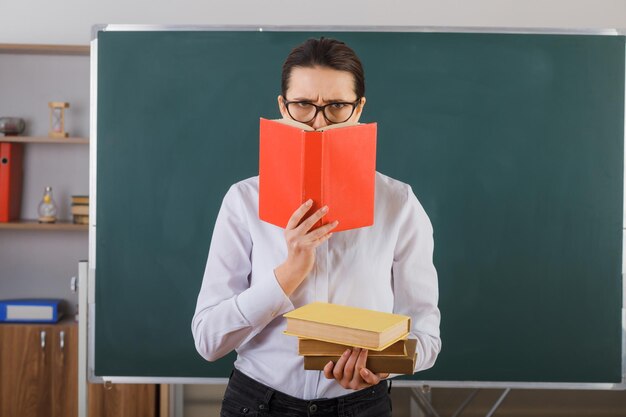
x,y
321,85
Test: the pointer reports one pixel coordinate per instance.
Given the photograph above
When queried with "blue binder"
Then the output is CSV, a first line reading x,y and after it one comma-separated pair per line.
x,y
32,310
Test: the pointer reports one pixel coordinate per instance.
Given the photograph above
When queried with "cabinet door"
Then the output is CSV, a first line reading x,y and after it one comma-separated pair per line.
x,y
25,376
64,381
123,400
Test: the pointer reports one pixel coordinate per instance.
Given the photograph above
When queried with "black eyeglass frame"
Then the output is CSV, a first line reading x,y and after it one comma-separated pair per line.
x,y
354,105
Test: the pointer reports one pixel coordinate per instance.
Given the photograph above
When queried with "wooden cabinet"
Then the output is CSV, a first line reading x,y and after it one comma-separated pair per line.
x,y
64,381
39,370
123,400
39,377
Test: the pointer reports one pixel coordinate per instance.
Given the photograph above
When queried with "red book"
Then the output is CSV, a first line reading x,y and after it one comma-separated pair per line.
x,y
335,167
11,155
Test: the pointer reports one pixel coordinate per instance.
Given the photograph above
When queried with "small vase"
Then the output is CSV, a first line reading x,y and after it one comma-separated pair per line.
x,y
47,208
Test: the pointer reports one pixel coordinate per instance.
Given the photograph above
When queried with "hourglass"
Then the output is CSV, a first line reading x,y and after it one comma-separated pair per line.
x,y
57,119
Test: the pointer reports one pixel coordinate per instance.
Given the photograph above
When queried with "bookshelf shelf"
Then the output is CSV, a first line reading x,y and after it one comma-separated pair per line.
x,y
10,48
44,139
35,225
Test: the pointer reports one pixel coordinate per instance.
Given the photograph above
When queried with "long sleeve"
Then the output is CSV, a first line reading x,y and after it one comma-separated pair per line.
x,y
385,267
416,290
229,310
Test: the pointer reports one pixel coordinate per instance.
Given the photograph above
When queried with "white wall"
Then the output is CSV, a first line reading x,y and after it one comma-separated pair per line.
x,y
70,21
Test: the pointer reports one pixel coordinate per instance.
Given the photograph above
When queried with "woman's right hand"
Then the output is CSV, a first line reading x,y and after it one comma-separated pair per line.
x,y
301,244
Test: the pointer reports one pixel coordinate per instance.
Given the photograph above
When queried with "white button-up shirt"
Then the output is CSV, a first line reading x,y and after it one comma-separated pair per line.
x,y
385,267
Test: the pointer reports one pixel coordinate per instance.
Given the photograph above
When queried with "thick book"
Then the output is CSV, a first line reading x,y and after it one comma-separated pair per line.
x,y
80,199
80,219
345,325
377,364
335,167
80,209
312,347
11,174
33,310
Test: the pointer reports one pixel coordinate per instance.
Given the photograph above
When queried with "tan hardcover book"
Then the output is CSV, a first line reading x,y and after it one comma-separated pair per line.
x,y
312,347
377,364
80,199
80,219
80,210
345,325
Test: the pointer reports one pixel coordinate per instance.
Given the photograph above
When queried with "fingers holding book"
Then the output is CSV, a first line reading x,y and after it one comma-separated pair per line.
x,y
350,371
297,215
300,234
296,220
366,375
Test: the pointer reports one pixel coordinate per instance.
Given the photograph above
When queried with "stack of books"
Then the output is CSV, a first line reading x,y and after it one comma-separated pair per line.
x,y
326,330
80,209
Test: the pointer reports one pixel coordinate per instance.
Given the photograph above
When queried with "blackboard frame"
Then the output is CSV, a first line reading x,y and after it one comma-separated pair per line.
x,y
88,340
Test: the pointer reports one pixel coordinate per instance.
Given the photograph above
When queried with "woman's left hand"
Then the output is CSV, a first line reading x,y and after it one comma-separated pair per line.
x,y
350,370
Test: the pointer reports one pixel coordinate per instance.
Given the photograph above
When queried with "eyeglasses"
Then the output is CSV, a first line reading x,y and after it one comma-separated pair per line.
x,y
305,111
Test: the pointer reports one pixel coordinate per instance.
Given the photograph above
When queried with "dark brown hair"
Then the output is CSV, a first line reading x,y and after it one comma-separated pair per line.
x,y
325,52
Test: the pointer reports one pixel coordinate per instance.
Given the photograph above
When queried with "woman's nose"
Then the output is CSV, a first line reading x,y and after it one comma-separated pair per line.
x,y
319,121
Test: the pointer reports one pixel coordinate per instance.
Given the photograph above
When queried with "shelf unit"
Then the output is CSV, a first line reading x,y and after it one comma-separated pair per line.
x,y
80,50
25,224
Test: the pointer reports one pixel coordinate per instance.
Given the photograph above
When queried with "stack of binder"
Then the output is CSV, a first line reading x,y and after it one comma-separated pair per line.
x,y
325,331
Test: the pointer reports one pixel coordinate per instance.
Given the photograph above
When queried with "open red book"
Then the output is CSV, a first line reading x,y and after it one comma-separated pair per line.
x,y
333,167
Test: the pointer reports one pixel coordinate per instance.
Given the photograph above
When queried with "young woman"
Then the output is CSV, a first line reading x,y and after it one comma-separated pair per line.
x,y
256,271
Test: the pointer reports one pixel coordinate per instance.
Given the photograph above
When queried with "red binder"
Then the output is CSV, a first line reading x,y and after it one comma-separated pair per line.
x,y
334,167
11,173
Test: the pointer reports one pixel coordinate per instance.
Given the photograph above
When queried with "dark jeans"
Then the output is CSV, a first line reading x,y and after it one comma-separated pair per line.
x,y
246,397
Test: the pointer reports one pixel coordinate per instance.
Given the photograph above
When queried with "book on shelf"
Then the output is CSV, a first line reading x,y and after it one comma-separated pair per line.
x,y
11,176
80,199
32,310
353,326
313,347
80,219
80,210
404,364
334,166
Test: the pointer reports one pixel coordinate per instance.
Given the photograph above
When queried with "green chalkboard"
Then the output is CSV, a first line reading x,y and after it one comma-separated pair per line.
x,y
514,144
